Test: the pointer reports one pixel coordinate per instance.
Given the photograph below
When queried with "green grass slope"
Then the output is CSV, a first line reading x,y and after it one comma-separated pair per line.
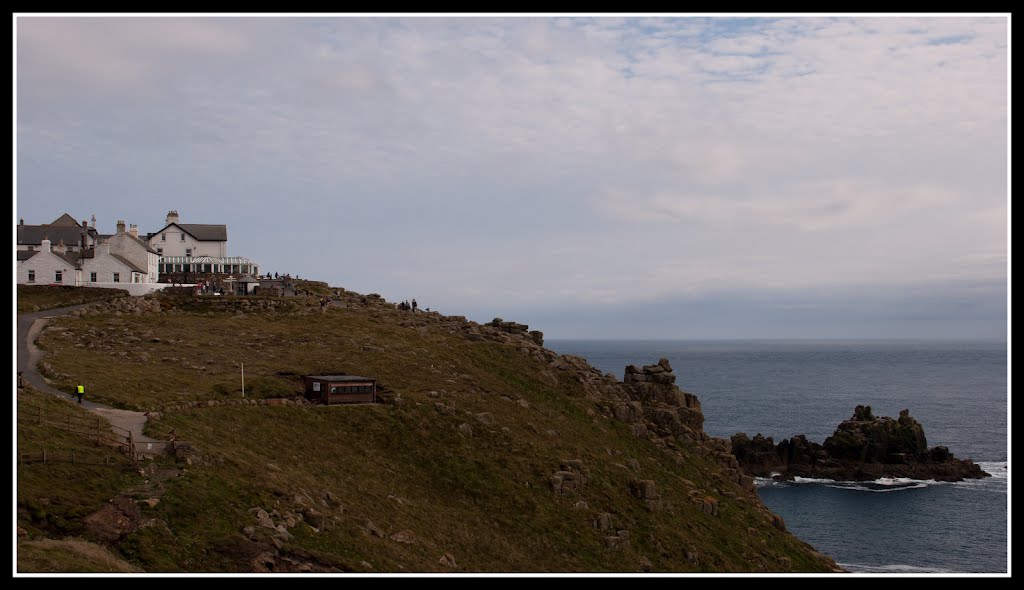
x,y
454,473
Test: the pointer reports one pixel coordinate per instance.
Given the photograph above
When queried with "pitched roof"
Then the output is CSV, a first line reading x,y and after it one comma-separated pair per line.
x,y
35,234
65,220
127,263
69,257
204,232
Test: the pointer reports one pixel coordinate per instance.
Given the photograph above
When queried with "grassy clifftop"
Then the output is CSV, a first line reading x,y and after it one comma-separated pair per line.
x,y
491,453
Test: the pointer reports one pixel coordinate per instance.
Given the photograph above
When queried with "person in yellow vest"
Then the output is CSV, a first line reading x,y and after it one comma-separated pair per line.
x,y
80,392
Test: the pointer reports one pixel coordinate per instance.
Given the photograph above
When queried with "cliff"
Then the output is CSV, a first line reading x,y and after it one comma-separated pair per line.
x,y
491,453
863,448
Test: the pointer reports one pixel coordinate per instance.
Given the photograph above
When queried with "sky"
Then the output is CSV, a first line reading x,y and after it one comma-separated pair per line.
x,y
641,177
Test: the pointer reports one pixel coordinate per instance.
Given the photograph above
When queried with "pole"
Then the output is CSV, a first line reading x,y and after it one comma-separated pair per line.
x,y
243,380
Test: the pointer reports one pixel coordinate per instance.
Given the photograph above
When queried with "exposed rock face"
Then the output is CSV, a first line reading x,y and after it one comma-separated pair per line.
x,y
863,448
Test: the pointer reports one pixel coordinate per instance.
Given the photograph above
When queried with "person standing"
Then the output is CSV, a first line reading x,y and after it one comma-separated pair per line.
x,y
80,392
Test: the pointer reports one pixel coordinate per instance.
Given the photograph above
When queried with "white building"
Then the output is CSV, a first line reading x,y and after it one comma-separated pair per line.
x,y
127,245
189,240
105,269
48,267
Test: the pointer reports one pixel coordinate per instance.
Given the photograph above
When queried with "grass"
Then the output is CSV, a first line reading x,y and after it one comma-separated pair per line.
x,y
39,297
69,555
374,471
53,497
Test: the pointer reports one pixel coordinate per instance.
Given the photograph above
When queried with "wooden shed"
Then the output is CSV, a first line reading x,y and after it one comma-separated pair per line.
x,y
341,389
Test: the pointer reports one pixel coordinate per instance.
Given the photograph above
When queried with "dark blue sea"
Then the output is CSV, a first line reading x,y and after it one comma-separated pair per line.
x,y
956,390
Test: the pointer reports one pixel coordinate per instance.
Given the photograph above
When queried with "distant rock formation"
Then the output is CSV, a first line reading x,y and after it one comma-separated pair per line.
x,y
863,448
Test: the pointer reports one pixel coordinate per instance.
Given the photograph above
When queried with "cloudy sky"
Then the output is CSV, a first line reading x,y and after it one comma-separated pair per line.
x,y
629,177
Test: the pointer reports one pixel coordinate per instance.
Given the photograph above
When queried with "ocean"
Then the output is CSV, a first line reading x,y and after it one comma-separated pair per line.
x,y
780,388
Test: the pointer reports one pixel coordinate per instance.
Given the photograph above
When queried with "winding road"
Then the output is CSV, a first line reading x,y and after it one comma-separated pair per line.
x,y
29,327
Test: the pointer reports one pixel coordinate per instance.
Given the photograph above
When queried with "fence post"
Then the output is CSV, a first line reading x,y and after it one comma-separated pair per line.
x,y
39,415
44,455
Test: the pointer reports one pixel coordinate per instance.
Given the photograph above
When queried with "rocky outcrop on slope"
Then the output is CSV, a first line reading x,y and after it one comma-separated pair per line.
x,y
863,448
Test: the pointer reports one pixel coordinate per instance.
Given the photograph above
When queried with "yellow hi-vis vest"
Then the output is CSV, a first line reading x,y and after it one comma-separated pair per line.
x,y
81,389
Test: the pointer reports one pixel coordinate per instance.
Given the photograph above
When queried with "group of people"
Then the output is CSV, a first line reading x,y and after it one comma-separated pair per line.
x,y
325,301
406,306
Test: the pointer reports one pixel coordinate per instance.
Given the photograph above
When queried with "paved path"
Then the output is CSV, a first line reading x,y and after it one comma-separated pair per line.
x,y
29,327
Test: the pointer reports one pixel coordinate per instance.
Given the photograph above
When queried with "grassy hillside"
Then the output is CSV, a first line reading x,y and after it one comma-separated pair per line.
x,y
54,497
40,297
453,474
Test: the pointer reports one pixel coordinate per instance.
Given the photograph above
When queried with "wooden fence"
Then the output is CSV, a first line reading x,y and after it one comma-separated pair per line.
x,y
95,428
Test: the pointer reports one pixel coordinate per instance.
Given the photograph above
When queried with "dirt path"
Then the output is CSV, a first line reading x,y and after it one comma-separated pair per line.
x,y
29,355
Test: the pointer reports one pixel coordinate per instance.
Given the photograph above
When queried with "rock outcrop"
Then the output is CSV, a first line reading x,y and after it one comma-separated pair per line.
x,y
863,448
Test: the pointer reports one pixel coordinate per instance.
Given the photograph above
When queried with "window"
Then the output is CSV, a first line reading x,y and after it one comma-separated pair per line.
x,y
188,252
31,276
183,236
117,277
92,277
163,237
58,277
31,248
160,251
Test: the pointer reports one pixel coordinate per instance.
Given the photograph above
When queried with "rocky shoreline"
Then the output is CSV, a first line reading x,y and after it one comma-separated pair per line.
x,y
863,448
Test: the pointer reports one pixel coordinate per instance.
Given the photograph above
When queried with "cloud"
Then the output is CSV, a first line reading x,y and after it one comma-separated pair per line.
x,y
539,160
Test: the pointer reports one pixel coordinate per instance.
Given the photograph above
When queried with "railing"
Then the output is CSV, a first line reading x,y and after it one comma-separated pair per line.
x,y
99,430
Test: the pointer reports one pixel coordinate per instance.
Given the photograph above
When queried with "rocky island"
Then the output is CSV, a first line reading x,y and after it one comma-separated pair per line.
x,y
863,448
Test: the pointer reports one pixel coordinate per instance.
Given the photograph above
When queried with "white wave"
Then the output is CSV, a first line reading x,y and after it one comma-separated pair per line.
x,y
997,469
762,482
861,487
896,568
799,479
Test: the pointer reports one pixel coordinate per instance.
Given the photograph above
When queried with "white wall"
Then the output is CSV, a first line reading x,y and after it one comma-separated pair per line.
x,y
135,289
105,265
46,264
133,251
173,246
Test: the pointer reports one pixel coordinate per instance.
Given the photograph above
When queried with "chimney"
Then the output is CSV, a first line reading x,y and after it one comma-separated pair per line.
x,y
21,221
85,224
172,217
44,246
94,221
134,231
120,227
103,249
60,248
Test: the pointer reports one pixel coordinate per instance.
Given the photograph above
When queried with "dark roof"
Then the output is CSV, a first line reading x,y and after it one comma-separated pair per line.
x,y
33,235
247,279
340,378
127,263
65,220
204,232
69,257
